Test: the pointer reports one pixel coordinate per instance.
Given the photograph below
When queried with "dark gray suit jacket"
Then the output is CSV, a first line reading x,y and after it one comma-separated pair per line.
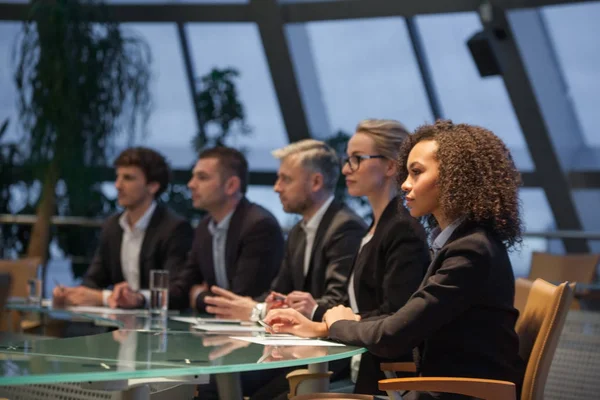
x,y
461,319
166,244
253,252
336,242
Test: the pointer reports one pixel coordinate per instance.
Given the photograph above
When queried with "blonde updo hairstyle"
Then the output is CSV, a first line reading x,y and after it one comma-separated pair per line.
x,y
387,134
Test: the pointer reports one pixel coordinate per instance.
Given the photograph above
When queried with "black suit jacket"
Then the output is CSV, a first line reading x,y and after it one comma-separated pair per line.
x,y
167,241
336,242
253,252
461,319
387,271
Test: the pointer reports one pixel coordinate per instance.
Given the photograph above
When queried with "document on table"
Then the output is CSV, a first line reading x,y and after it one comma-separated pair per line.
x,y
285,341
105,310
228,328
198,320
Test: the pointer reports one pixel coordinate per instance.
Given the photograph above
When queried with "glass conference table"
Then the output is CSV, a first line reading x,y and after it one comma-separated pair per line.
x,y
145,350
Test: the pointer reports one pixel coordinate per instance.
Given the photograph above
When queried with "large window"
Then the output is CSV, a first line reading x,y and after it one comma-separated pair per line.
x,y
465,96
367,69
172,124
238,45
537,217
8,99
574,30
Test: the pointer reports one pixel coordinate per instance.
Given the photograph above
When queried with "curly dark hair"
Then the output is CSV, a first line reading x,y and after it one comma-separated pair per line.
x,y
478,179
153,165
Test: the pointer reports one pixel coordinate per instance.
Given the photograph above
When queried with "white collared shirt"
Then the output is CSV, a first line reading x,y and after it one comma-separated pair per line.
x,y
131,246
310,228
351,293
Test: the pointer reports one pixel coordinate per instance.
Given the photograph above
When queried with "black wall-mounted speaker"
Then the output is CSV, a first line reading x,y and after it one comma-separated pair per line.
x,y
483,55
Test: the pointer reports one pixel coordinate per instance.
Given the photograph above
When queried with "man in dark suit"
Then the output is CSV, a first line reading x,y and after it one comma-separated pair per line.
x,y
145,236
236,243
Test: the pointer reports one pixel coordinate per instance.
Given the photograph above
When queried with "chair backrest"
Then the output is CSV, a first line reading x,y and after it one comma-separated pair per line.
x,y
20,271
522,289
560,268
539,328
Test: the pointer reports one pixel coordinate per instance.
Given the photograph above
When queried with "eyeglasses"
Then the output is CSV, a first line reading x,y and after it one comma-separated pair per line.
x,y
354,161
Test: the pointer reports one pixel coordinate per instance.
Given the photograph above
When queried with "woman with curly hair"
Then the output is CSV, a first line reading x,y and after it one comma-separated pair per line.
x,y
461,320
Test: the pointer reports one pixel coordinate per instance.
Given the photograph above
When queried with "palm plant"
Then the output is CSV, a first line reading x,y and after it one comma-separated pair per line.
x,y
220,112
82,81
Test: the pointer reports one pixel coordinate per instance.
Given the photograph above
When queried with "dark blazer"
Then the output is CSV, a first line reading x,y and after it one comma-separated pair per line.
x,y
336,242
461,319
253,252
167,241
387,271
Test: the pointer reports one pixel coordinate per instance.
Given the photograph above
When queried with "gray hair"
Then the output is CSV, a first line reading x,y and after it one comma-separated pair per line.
x,y
316,156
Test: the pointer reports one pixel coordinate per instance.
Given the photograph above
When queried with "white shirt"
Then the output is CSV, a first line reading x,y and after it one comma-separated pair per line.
x,y
351,293
131,245
310,228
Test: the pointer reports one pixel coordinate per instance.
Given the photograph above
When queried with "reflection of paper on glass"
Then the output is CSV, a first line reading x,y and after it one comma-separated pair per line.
x,y
228,328
105,310
198,320
267,341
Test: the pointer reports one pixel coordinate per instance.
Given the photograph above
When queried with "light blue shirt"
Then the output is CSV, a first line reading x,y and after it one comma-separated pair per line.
x,y
219,240
443,236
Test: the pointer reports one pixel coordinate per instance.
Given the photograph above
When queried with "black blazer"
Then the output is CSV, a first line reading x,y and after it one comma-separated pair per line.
x,y
461,319
336,242
387,271
253,252
166,243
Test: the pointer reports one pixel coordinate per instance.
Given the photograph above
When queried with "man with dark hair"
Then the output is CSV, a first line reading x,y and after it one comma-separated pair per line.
x,y
238,245
145,236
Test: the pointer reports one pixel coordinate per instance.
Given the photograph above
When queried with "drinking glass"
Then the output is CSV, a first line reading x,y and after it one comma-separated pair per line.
x,y
159,291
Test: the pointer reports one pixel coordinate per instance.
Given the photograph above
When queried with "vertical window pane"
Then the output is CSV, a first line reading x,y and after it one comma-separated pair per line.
x,y
172,125
465,96
586,201
574,29
8,99
367,69
537,217
238,45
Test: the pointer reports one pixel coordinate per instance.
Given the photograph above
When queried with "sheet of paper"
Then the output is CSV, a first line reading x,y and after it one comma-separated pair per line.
x,y
198,321
105,310
280,341
228,328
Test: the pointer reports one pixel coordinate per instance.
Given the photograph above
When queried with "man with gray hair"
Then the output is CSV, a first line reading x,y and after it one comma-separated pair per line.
x,y
319,249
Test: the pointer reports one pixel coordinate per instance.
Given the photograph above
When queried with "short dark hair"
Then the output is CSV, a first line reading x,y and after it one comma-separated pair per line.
x,y
153,165
232,160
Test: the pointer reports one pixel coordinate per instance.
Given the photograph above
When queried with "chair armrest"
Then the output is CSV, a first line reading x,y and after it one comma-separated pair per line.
x,y
486,389
399,367
296,377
